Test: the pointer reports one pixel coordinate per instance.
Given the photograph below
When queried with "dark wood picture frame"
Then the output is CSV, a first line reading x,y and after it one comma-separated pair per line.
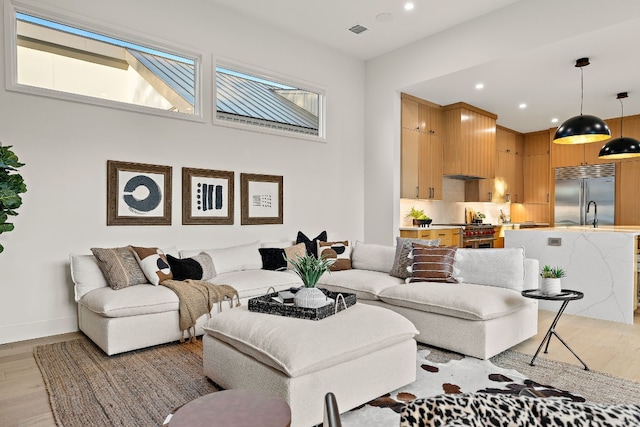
x,y
210,195
120,199
274,214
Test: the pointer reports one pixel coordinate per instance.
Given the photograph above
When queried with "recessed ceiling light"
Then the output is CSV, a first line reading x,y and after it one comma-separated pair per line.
x,y
409,6
384,17
554,120
479,85
522,106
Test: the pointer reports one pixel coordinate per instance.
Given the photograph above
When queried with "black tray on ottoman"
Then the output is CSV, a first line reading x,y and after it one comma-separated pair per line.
x,y
266,304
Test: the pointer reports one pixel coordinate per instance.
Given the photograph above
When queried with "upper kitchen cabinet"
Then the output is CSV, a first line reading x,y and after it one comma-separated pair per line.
x,y
421,149
421,115
507,185
536,167
509,178
470,141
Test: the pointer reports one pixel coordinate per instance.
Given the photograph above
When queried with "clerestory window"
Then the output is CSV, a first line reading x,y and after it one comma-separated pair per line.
x,y
266,103
73,61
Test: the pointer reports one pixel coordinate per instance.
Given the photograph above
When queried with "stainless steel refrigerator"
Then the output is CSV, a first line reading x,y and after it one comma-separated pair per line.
x,y
578,185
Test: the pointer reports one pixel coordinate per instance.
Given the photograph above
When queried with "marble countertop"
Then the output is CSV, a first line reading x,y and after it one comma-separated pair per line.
x,y
634,229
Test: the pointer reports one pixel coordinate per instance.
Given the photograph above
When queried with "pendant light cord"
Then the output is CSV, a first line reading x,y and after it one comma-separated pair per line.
x,y
581,89
622,116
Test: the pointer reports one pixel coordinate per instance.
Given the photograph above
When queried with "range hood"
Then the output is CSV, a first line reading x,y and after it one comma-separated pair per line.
x,y
463,177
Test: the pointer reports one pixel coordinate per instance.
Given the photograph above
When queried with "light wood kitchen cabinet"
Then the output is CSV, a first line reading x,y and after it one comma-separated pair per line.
x,y
627,200
507,185
421,149
421,115
470,141
536,167
421,164
447,236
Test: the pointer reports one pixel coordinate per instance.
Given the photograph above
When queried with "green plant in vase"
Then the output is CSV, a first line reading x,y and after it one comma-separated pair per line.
x,y
310,269
11,186
551,279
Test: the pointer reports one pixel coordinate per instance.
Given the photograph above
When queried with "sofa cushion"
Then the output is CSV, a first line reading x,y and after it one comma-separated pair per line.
x,y
153,263
432,264
253,283
340,251
297,346
503,267
119,266
273,258
463,300
131,301
198,267
311,244
86,275
368,256
366,284
234,258
401,262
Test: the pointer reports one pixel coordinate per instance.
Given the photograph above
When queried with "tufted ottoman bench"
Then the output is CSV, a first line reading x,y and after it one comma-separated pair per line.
x,y
358,354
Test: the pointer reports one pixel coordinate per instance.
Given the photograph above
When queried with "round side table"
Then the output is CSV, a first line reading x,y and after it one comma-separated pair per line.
x,y
238,407
565,296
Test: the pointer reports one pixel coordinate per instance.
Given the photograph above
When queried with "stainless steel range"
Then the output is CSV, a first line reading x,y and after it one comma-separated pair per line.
x,y
478,236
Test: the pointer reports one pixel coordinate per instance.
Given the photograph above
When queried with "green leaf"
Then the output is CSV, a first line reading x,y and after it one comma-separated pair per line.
x,y
8,160
1,248
7,226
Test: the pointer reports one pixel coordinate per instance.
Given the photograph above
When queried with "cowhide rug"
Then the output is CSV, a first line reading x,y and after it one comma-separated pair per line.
x,y
441,372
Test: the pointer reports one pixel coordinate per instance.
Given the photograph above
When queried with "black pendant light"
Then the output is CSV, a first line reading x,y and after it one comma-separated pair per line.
x,y
623,147
582,129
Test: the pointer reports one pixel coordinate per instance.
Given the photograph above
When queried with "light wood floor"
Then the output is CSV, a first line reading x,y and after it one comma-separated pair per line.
x,y
608,347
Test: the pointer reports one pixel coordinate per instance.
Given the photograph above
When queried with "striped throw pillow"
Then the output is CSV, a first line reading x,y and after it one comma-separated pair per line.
x,y
432,263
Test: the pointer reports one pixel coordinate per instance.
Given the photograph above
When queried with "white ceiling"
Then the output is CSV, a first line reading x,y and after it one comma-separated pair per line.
x,y
545,79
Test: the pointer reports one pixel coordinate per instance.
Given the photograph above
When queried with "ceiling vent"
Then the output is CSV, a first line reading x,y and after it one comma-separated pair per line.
x,y
358,29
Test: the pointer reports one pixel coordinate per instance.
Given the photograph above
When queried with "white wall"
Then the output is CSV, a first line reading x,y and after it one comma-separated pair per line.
x,y
522,26
66,145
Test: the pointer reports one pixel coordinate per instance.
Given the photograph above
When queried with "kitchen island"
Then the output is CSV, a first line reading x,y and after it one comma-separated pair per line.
x,y
600,262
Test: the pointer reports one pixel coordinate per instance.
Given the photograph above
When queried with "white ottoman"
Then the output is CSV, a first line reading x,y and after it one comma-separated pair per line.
x,y
358,354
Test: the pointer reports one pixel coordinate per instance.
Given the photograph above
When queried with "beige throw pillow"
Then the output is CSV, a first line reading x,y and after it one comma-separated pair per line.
x,y
119,267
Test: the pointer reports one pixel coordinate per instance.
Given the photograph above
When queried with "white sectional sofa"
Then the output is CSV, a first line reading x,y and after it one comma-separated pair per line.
x,y
481,315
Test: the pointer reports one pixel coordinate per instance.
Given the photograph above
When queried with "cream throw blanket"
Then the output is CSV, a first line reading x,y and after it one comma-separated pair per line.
x,y
197,297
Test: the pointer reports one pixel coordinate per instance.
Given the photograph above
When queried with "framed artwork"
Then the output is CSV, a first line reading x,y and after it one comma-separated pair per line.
x,y
207,197
261,199
138,194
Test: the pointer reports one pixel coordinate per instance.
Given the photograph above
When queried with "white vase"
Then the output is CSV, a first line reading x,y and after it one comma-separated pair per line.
x,y
310,298
551,286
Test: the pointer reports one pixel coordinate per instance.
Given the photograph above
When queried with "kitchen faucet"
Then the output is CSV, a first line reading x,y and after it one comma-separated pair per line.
x,y
595,212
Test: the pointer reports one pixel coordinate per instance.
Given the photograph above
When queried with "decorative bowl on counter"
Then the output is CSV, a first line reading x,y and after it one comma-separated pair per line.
x,y
422,222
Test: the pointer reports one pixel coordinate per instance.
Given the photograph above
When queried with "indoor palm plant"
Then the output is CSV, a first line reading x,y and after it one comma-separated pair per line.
x,y
551,279
11,186
309,269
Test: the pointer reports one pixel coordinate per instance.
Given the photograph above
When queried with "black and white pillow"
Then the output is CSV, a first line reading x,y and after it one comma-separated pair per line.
x,y
199,267
311,244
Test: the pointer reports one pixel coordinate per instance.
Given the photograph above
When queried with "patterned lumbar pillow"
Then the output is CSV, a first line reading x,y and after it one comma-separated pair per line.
x,y
311,244
153,263
432,264
199,267
119,267
340,250
402,262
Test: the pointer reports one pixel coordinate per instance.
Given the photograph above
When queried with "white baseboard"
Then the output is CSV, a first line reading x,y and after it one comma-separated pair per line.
x,y
27,331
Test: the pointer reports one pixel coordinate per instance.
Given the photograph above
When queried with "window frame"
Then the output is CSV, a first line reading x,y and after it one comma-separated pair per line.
x,y
11,63
220,62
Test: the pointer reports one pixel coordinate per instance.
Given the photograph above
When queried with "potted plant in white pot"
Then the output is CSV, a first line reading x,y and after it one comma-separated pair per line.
x,y
551,279
309,269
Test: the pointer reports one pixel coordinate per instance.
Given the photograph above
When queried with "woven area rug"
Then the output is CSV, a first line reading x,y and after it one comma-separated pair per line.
x,y
140,388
